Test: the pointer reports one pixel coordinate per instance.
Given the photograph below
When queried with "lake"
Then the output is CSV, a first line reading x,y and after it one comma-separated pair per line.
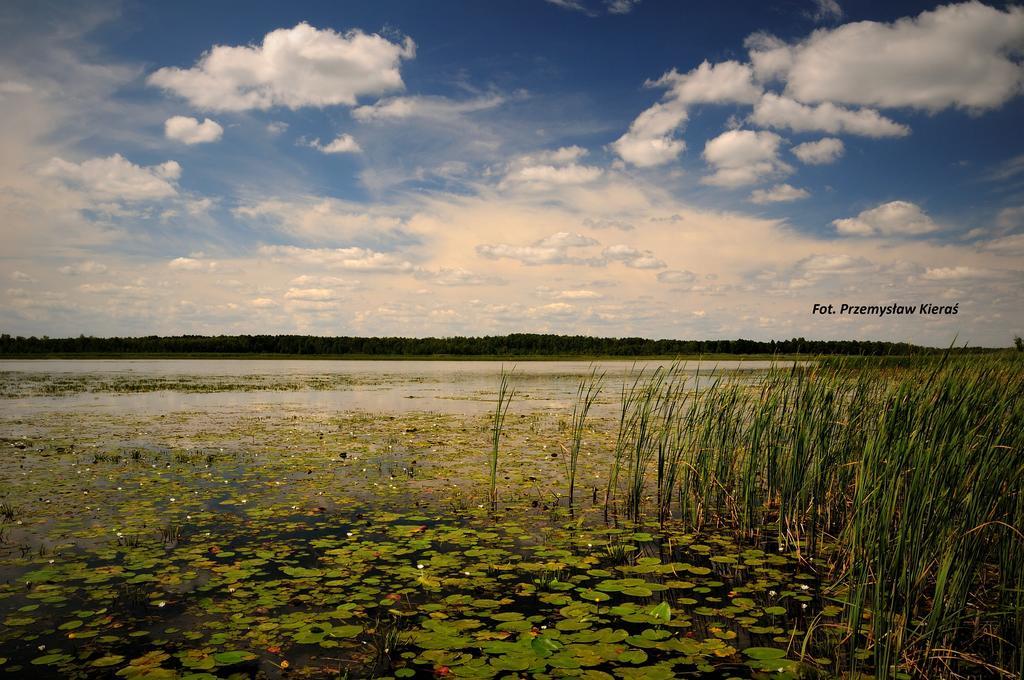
x,y
156,386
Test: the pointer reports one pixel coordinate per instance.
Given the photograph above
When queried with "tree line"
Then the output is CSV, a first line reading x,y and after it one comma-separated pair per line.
x,y
513,345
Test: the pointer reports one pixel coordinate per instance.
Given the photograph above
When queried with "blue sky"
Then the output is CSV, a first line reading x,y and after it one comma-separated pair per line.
x,y
605,167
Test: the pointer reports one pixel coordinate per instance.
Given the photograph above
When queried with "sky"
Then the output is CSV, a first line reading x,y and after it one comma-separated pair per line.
x,y
602,167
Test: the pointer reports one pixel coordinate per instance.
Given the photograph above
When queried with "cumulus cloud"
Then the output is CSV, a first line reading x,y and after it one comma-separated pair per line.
x,y
292,67
343,143
957,273
896,218
312,294
632,257
552,249
115,178
780,193
727,82
821,152
742,157
550,168
192,264
191,131
777,111
355,259
958,55
425,107
651,139
577,295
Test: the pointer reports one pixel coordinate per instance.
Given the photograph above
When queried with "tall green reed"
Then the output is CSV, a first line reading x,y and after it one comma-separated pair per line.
x,y
587,391
505,394
904,480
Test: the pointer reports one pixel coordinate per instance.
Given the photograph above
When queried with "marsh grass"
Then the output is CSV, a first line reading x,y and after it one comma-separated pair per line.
x,y
505,394
587,392
903,482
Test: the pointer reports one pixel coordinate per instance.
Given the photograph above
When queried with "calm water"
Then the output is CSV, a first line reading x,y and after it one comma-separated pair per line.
x,y
382,386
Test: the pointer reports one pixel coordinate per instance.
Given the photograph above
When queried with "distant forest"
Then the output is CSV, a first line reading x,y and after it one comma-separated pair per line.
x,y
514,345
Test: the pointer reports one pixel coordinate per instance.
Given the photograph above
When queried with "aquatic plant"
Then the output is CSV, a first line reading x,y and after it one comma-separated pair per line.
x,y
505,394
587,392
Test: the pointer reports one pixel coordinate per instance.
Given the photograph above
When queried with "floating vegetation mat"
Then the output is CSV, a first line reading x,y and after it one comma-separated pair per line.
x,y
290,544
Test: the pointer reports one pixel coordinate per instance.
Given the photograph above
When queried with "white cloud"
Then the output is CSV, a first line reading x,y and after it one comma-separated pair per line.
x,y
356,259
115,178
780,193
547,175
770,56
956,273
632,257
650,139
550,168
727,82
86,267
294,68
742,157
312,294
552,249
821,152
423,106
343,143
958,55
777,111
578,295
191,131
312,281
263,303
896,218
192,264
